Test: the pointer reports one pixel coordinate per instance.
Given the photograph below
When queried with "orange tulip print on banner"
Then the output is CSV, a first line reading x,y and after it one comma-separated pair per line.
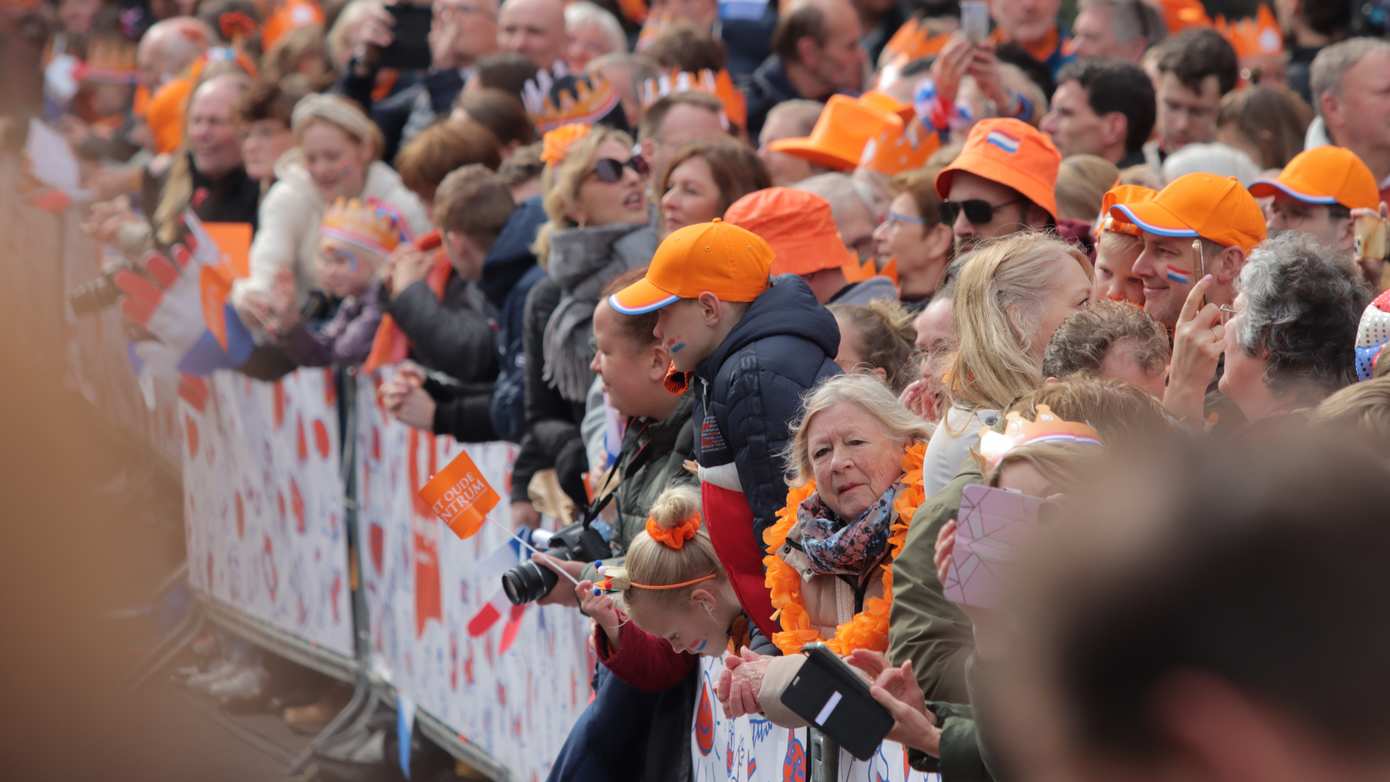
x,y
459,496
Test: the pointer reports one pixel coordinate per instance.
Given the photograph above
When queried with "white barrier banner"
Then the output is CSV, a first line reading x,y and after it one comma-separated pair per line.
x,y
751,749
511,681
263,502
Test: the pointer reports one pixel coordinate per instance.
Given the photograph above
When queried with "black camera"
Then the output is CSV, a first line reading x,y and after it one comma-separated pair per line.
x,y
96,294
580,542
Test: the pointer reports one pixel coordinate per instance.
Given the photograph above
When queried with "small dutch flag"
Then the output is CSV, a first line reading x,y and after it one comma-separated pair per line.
x,y
1004,141
1179,276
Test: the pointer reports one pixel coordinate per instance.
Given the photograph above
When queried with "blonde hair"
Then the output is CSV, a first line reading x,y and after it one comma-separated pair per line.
x,y
1063,465
885,337
1364,406
560,183
871,395
999,299
342,114
649,561
1081,184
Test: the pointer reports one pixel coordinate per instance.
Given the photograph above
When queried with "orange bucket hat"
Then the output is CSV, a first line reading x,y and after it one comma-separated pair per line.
x,y
797,225
1324,176
837,141
1012,153
1213,207
1121,194
716,257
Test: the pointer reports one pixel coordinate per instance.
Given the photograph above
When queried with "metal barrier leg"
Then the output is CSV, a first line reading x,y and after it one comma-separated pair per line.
x,y
362,698
166,650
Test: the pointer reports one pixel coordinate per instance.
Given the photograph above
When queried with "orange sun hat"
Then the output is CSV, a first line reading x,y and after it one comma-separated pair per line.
x,y
1012,153
1212,207
837,141
1324,176
798,226
721,258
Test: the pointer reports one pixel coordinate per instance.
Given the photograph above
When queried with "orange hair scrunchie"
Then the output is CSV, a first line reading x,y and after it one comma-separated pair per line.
x,y
674,537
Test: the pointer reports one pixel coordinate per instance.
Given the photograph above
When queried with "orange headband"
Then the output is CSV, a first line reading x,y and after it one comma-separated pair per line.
x,y
691,582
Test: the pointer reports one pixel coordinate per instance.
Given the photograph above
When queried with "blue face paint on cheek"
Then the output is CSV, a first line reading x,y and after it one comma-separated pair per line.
x,y
678,347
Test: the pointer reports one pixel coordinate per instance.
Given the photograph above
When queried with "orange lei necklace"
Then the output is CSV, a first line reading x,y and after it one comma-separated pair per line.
x,y
867,629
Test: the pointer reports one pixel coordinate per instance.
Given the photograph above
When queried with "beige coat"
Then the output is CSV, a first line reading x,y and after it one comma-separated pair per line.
x,y
829,602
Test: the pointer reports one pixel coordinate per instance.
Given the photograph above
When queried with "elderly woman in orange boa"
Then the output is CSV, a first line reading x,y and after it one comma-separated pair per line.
x,y
856,454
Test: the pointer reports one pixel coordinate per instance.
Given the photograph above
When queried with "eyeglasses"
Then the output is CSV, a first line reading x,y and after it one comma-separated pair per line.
x,y
977,211
899,217
1227,313
609,170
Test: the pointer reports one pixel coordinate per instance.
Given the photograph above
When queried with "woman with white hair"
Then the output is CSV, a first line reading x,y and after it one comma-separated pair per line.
x,y
1011,296
593,32
1290,339
335,156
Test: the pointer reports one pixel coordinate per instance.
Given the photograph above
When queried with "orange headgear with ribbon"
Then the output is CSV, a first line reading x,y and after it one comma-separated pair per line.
x,y
1046,428
555,144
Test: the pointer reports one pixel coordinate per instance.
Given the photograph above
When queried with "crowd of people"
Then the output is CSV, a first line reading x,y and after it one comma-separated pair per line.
x,y
781,291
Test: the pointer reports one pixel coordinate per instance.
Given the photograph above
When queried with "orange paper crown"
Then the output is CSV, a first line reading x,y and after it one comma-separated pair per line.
x,y
913,41
370,225
1045,428
898,148
584,100
1178,15
556,143
1257,36
720,85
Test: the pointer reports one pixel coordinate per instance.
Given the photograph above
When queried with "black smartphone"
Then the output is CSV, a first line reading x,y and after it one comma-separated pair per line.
x,y
410,38
827,693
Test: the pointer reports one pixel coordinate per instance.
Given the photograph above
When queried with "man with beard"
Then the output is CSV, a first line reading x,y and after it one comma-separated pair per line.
x,y
1003,182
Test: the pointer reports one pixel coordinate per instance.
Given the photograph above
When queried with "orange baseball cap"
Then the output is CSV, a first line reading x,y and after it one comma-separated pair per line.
x,y
1012,153
837,141
1324,176
797,225
716,257
1121,194
1216,208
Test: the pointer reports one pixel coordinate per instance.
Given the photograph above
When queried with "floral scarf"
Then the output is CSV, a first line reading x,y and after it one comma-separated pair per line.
x,y
834,547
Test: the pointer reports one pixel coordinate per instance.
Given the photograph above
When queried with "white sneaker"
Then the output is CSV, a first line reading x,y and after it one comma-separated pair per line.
x,y
219,670
245,683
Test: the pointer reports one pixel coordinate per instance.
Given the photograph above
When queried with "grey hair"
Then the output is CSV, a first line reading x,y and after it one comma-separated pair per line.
x,y
1333,62
1302,309
1132,19
803,112
842,191
581,13
866,391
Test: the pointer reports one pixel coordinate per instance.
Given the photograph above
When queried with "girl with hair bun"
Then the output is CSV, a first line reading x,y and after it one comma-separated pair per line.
x,y
673,588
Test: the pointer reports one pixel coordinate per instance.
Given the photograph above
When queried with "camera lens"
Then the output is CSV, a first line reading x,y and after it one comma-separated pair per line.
x,y
528,582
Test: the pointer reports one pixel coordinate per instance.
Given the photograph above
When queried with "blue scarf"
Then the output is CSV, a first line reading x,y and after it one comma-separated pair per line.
x,y
837,548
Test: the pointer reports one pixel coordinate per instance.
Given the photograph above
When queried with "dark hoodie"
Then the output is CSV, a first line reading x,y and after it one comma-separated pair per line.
x,y
747,393
509,272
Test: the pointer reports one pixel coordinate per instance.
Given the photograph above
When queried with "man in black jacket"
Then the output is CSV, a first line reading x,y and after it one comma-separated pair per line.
x,y
816,52
753,347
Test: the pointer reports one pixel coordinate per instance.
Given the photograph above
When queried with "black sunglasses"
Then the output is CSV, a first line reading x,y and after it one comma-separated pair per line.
x,y
609,170
977,211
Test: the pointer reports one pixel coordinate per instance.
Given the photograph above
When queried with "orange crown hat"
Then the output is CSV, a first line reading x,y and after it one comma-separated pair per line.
x,y
1178,15
1257,36
720,85
1121,194
898,148
799,228
1323,176
110,60
369,225
555,98
1046,428
291,15
555,145
1212,207
1012,153
842,129
913,41
721,258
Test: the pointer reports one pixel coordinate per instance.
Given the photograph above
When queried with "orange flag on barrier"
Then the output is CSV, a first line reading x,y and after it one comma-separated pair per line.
x,y
460,497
